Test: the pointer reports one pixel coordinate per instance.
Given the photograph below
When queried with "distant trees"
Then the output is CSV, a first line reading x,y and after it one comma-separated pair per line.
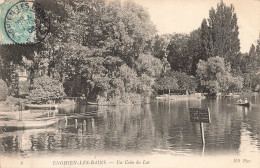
x,y
185,82
250,68
167,82
176,81
184,52
219,34
214,76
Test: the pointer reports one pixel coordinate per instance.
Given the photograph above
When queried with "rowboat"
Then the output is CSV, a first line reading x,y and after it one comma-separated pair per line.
x,y
41,106
29,124
244,104
28,114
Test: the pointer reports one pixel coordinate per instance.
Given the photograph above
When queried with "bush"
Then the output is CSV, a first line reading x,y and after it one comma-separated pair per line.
x,y
46,88
3,90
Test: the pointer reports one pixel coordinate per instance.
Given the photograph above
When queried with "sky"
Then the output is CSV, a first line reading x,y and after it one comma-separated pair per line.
x,y
183,16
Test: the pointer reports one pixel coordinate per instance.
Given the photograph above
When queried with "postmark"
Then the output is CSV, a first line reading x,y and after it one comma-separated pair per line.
x,y
26,23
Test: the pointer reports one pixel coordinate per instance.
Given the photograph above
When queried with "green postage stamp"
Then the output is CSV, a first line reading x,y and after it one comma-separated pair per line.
x,y
23,22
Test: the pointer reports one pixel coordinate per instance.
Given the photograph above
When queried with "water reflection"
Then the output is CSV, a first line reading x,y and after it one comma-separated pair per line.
x,y
160,127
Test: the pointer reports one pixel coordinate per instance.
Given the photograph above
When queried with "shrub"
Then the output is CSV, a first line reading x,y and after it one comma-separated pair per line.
x,y
3,90
46,88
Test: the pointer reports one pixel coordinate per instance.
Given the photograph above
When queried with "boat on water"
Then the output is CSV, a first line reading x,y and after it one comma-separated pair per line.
x,y
28,114
244,104
41,106
28,123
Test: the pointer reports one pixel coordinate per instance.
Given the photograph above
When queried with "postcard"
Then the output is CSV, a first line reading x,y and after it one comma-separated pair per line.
x,y
129,83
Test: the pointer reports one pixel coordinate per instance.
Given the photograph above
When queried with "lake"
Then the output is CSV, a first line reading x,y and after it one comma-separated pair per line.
x,y
161,127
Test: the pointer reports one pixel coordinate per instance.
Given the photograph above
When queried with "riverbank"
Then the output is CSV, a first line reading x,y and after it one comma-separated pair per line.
x,y
181,97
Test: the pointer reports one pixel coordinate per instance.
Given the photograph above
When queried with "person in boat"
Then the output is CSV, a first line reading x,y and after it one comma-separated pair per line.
x,y
245,101
239,101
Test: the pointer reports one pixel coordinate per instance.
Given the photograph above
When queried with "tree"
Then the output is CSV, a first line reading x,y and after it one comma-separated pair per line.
x,y
46,88
195,51
206,41
166,82
250,68
149,65
185,82
177,53
159,46
110,42
215,76
220,33
184,52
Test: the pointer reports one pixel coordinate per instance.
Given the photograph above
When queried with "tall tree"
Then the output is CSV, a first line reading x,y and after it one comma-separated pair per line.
x,y
258,51
220,33
206,41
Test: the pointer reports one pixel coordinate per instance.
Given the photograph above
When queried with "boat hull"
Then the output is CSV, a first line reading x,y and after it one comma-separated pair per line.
x,y
244,104
28,124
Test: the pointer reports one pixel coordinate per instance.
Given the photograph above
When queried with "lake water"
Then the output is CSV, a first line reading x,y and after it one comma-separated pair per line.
x,y
161,127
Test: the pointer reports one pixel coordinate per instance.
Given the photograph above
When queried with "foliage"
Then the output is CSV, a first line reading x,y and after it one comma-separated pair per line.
x,y
185,81
46,88
167,82
159,46
3,90
177,53
173,80
183,51
107,56
250,68
149,65
195,51
222,32
215,76
206,41
219,36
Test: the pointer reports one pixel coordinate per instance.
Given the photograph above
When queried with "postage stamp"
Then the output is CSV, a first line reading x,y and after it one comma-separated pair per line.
x,y
26,23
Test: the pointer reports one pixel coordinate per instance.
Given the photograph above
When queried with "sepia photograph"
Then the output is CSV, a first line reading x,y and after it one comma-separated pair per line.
x,y
129,83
